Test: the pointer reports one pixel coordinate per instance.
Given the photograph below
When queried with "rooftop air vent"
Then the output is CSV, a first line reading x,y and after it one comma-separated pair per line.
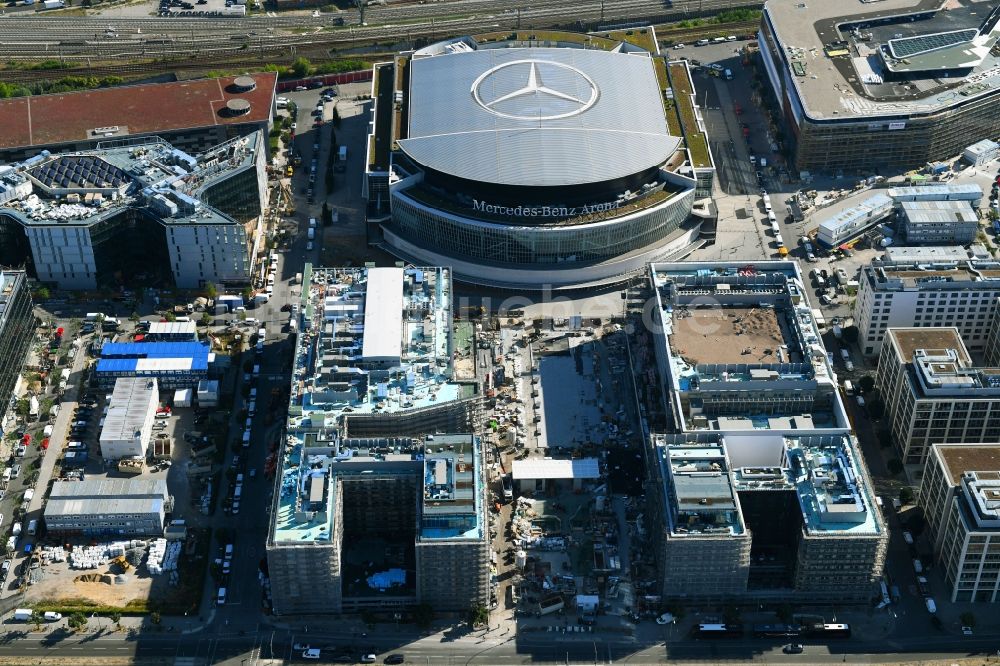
x,y
244,84
237,107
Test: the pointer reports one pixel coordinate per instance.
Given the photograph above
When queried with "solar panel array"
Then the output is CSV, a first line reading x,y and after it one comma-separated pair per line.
x,y
906,47
79,172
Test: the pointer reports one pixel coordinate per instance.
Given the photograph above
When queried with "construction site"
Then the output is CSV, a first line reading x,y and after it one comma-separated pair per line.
x,y
727,335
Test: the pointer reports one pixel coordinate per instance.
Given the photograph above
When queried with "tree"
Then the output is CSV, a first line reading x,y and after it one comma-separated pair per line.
x,y
154,617
169,316
206,319
968,619
23,407
478,616
36,619
851,334
42,293
77,620
211,291
301,67
784,613
134,316
895,467
876,408
732,614
866,384
906,495
423,616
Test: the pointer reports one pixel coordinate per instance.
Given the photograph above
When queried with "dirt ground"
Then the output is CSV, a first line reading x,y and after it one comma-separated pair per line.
x,y
60,583
727,335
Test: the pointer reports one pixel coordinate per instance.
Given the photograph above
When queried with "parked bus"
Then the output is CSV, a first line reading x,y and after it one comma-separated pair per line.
x,y
776,630
718,631
830,630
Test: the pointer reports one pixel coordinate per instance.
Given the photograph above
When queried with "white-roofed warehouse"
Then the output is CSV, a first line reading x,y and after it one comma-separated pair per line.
x,y
108,507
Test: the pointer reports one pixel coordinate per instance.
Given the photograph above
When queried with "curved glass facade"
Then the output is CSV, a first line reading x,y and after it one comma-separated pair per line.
x,y
502,244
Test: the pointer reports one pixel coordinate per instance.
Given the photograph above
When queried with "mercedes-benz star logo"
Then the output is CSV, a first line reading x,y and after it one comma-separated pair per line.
x,y
543,103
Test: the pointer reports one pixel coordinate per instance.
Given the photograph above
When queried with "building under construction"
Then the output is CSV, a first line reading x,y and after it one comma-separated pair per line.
x,y
379,504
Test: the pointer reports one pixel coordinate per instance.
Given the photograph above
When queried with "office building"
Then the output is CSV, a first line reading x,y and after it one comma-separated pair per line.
x,y
938,222
926,293
136,209
991,353
763,495
509,158
960,495
860,95
765,517
848,224
192,115
364,459
108,508
934,393
173,365
17,323
128,424
738,349
981,153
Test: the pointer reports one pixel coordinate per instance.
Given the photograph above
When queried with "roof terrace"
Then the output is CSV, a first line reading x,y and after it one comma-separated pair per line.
x,y
940,364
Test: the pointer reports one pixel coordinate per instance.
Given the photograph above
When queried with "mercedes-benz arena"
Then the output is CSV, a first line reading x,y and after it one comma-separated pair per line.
x,y
528,164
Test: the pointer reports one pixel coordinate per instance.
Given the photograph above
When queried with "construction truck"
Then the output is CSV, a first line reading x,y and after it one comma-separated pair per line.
x,y
130,466
122,562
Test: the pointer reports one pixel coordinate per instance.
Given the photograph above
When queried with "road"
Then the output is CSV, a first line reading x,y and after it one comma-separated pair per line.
x,y
261,647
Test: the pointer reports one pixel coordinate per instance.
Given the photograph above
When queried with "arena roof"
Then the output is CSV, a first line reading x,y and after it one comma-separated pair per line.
x,y
536,116
140,109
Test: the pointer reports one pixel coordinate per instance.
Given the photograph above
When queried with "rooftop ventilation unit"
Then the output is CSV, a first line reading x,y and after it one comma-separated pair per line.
x,y
244,84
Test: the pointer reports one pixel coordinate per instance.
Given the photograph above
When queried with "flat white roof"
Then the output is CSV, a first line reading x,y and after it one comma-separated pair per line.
x,y
383,337
584,468
131,401
172,327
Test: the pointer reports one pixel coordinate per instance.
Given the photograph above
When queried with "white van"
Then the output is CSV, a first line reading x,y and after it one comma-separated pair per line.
x,y
312,221
246,439
221,599
311,233
32,527
771,217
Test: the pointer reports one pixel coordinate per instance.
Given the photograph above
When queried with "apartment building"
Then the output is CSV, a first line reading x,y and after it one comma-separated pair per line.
x,y
960,494
765,516
364,460
934,393
900,294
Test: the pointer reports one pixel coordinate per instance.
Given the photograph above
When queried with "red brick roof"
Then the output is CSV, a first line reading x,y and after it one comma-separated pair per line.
x,y
142,109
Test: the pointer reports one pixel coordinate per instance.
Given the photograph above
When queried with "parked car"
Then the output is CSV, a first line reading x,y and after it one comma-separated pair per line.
x,y
793,648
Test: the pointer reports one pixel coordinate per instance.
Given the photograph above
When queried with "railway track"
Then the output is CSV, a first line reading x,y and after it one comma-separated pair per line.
x,y
147,53
259,56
